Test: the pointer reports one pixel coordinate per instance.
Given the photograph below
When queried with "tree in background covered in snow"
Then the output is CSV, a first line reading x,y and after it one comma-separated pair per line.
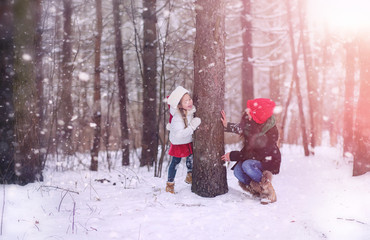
x,y
7,121
361,164
28,165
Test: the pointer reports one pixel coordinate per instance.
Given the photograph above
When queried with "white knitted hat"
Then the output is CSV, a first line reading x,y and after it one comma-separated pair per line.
x,y
175,97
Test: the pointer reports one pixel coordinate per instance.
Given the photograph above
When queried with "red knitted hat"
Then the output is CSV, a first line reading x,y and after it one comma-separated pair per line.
x,y
261,109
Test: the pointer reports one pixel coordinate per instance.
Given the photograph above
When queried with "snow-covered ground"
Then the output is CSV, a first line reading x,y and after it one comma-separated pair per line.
x,y
317,199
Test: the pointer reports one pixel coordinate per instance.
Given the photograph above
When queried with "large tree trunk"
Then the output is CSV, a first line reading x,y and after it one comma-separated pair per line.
x,y
296,79
28,165
361,164
66,109
150,133
125,141
7,123
97,99
209,174
39,80
247,67
348,114
311,77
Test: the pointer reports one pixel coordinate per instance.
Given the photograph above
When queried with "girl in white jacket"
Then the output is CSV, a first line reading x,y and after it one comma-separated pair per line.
x,y
182,127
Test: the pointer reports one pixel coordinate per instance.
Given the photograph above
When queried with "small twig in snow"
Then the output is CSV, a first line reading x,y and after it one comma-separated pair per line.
x,y
59,188
61,200
189,205
73,219
37,222
351,220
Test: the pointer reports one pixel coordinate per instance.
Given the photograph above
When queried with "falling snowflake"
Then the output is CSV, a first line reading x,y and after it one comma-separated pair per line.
x,y
83,76
26,57
278,109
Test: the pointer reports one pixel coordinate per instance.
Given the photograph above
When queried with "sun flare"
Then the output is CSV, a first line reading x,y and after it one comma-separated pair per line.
x,y
349,15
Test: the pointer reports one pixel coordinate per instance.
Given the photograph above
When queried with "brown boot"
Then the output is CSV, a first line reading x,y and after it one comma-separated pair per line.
x,y
170,187
268,194
248,189
189,178
255,186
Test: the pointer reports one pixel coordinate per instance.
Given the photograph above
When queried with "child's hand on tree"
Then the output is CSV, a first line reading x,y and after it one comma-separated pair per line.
x,y
223,118
226,157
194,123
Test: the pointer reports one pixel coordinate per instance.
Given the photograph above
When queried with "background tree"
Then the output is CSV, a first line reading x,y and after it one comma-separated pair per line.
x,y
361,164
52,71
276,53
7,122
209,174
122,90
150,135
349,106
163,108
65,107
97,87
311,75
295,76
270,51
37,6
28,165
247,66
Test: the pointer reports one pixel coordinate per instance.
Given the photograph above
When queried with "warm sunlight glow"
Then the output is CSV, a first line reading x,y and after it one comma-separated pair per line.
x,y
346,15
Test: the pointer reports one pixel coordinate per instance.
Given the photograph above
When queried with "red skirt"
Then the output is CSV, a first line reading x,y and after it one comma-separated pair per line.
x,y
182,150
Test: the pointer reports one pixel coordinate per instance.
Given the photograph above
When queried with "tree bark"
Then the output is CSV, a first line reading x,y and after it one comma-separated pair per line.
x,y
97,98
150,131
296,79
28,165
209,174
122,90
361,164
66,108
247,67
39,80
348,114
311,78
7,121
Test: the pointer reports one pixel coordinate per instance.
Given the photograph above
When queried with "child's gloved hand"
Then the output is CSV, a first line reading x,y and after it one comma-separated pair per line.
x,y
195,122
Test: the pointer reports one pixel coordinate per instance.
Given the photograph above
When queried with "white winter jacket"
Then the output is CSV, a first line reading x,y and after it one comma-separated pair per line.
x,y
178,133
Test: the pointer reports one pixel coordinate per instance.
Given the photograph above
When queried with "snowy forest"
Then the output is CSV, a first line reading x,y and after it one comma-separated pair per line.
x,y
84,86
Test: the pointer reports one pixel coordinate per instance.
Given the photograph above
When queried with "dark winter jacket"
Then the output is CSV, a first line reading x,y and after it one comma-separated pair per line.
x,y
260,143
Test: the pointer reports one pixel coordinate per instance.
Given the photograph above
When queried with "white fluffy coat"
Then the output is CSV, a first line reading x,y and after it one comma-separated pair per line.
x,y
178,133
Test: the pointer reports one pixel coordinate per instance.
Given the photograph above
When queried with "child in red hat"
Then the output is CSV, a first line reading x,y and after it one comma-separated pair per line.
x,y
260,157
182,126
